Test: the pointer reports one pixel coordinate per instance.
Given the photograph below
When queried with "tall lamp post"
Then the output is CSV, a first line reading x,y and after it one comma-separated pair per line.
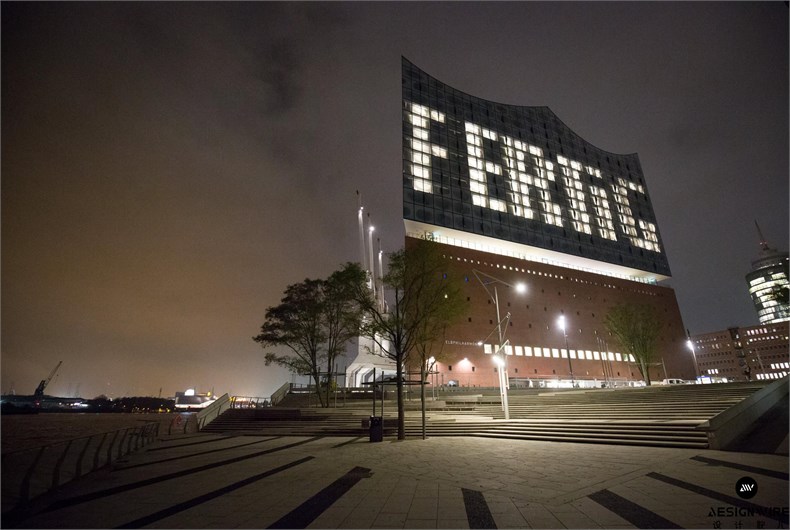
x,y
486,280
690,345
567,350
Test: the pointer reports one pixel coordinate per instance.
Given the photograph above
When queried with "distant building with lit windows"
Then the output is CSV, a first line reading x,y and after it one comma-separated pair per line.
x,y
768,284
739,354
513,196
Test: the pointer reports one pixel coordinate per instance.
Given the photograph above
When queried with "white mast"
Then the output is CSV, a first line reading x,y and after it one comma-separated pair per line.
x,y
381,277
372,263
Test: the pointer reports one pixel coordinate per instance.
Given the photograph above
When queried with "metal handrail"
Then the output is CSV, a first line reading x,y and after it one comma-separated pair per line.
x,y
280,393
212,412
29,473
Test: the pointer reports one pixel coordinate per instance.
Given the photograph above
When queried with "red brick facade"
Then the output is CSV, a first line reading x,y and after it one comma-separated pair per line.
x,y
582,297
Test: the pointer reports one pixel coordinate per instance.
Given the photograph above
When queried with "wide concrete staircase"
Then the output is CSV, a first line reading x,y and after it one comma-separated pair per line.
x,y
656,416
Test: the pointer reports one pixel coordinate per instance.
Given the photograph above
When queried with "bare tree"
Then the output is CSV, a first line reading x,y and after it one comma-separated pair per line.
x,y
637,328
429,346
419,300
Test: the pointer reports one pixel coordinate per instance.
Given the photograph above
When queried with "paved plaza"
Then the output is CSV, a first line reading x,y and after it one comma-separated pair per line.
x,y
219,481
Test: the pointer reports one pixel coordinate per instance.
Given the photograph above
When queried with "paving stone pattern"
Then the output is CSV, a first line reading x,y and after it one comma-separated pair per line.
x,y
457,482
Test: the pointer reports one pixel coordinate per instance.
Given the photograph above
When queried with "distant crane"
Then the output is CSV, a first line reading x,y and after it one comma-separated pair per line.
x,y
44,382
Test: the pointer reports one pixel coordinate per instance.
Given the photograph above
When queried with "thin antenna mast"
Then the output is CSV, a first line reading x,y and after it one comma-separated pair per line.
x,y
763,242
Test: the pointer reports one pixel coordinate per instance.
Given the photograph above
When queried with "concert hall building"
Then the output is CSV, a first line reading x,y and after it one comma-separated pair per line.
x,y
514,198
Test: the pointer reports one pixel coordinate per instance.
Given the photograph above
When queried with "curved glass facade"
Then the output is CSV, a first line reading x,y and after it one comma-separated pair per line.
x,y
768,286
520,175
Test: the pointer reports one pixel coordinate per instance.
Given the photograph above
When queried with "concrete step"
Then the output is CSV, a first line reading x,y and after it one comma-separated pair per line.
x,y
660,416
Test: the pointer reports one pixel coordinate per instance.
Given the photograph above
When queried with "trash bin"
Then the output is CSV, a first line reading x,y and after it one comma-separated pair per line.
x,y
376,429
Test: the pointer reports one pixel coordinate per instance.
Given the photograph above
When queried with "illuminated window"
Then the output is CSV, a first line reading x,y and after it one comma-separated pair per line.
x,y
420,158
488,348
477,187
420,171
531,190
519,350
493,168
420,117
471,127
476,174
497,205
528,351
423,185
418,121
603,213
422,134
420,110
491,135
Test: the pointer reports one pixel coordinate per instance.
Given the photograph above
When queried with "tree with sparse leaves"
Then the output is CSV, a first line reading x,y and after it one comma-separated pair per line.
x,y
429,346
421,302
637,328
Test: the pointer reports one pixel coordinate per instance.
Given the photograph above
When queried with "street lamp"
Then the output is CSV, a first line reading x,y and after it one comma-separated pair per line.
x,y
500,360
567,350
693,355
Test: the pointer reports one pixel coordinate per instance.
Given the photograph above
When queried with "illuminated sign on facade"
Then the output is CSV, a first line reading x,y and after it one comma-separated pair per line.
x,y
519,174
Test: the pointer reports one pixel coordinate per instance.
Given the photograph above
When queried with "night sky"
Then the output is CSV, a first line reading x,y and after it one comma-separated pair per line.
x,y
168,168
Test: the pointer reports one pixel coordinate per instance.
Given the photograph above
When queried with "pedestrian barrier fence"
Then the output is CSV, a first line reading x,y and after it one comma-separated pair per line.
x,y
249,402
29,473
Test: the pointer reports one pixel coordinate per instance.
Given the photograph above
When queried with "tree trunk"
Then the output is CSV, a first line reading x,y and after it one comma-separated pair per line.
x,y
422,396
317,380
401,423
645,368
328,381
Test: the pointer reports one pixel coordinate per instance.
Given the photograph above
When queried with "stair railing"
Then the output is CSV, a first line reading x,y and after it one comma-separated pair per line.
x,y
212,412
280,394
